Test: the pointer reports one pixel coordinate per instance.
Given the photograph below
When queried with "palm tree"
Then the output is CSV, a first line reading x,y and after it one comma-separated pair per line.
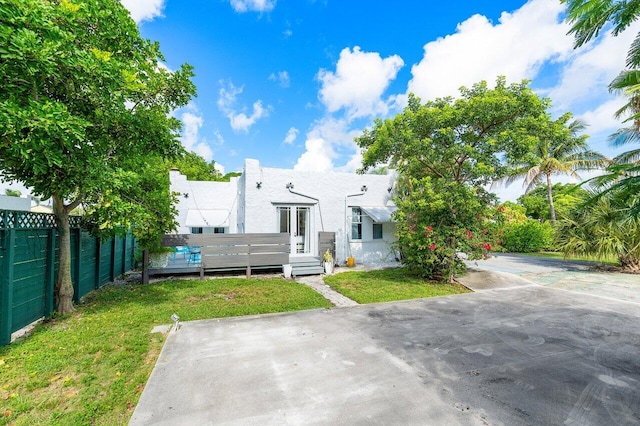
x,y
601,228
587,19
559,149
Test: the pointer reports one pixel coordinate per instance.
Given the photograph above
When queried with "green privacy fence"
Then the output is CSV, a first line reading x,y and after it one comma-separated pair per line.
x,y
28,266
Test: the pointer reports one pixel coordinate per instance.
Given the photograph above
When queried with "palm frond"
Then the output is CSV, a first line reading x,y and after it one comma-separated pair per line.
x,y
588,17
633,55
628,157
624,136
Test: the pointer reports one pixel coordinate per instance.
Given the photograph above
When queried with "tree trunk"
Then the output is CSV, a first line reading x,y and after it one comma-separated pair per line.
x,y
64,285
629,263
552,209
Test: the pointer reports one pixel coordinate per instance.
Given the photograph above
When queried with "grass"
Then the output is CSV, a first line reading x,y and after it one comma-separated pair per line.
x,y
387,285
89,368
557,255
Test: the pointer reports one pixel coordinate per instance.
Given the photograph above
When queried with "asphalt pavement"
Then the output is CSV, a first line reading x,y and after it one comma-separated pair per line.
x,y
512,353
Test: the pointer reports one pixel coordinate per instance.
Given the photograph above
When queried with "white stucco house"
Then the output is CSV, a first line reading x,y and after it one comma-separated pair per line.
x,y
357,208
15,203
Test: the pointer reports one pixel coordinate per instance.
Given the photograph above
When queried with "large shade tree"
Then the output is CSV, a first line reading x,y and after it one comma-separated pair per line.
x,y
446,151
559,149
84,108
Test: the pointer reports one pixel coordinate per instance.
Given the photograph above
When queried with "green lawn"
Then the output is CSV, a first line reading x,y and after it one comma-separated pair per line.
x,y
558,255
386,285
91,366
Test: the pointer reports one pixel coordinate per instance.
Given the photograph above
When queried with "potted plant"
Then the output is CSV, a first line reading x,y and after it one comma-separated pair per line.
x,y
159,257
328,262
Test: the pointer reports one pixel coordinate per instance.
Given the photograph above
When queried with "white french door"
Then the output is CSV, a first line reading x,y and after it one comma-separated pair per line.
x,y
294,220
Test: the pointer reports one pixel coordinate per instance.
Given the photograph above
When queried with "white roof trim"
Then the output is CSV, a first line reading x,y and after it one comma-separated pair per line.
x,y
207,218
379,214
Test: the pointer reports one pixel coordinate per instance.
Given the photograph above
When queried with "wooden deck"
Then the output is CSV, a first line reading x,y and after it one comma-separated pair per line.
x,y
233,252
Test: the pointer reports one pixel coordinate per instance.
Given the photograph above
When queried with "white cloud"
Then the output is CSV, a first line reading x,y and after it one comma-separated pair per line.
x,y
239,121
358,83
242,6
317,157
292,134
191,135
219,138
326,140
602,118
144,10
219,167
589,71
516,47
282,78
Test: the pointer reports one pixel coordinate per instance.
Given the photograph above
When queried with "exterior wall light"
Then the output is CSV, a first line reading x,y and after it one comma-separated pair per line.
x,y
290,185
258,185
364,188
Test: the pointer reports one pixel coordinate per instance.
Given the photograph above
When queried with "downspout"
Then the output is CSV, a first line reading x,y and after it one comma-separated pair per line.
x,y
290,185
347,246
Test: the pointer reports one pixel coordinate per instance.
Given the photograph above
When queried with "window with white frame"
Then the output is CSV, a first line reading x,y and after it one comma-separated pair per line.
x,y
356,223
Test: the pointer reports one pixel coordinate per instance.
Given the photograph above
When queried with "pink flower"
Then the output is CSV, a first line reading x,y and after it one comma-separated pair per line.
x,y
486,246
432,246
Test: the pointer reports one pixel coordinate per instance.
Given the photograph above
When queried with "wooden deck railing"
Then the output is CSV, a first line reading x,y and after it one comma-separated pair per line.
x,y
234,251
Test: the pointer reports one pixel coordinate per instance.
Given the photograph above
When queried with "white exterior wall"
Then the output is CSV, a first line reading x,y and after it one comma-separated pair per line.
x,y
254,209
15,203
201,195
327,214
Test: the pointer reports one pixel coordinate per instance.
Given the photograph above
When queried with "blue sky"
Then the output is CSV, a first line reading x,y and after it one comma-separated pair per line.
x,y
292,82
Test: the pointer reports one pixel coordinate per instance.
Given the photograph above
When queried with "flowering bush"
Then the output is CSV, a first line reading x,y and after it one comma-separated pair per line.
x,y
441,224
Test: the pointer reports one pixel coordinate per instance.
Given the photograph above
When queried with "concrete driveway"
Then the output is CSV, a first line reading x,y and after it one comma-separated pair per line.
x,y
519,354
567,275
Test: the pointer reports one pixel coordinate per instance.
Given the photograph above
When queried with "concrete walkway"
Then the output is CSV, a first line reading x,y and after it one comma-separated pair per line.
x,y
316,282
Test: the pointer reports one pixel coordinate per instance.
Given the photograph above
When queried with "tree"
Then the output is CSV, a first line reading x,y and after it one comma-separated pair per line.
x,y
84,106
12,192
559,149
446,151
588,18
566,198
194,167
601,228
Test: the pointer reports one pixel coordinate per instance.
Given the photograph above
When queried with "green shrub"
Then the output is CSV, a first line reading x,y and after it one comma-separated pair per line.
x,y
528,236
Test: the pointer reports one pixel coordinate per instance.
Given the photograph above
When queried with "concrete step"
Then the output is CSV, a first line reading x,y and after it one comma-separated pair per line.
x,y
305,264
307,270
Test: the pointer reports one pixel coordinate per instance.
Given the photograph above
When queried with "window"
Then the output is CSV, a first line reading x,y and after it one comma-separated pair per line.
x,y
284,220
196,230
377,231
356,223
218,230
